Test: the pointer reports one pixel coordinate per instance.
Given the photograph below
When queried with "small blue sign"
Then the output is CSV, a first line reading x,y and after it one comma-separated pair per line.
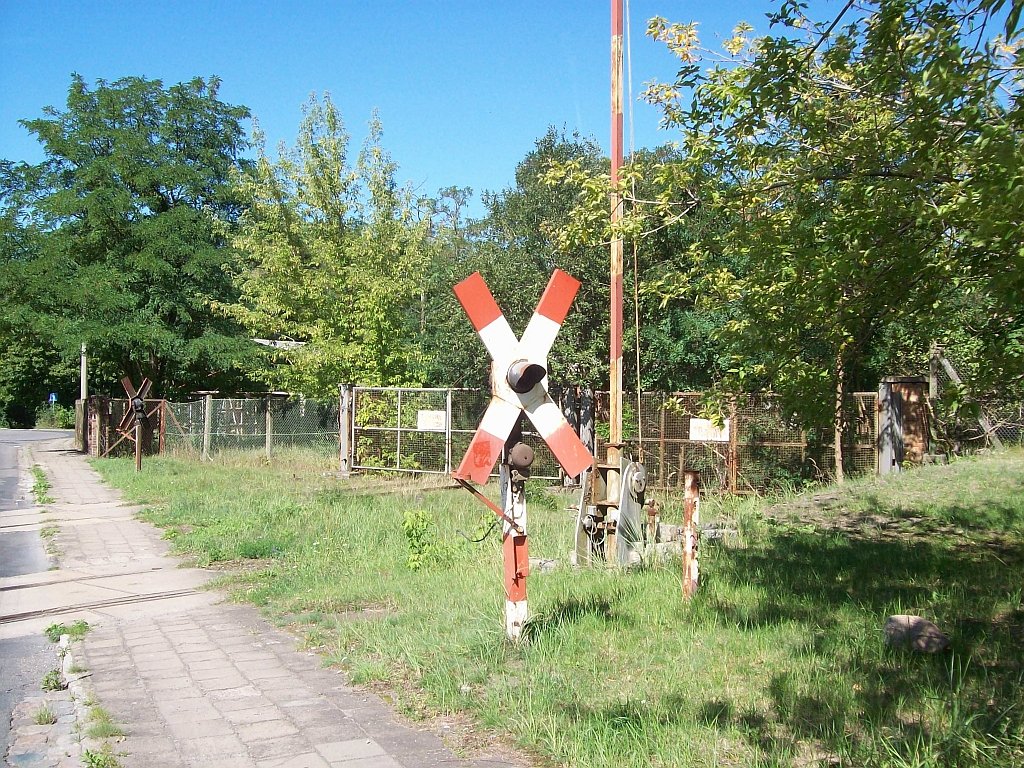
x,y
53,398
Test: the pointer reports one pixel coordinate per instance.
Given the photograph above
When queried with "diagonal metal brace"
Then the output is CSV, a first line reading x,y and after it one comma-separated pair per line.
x,y
493,507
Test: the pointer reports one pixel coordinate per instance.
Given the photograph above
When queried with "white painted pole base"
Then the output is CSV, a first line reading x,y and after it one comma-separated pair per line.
x,y
516,614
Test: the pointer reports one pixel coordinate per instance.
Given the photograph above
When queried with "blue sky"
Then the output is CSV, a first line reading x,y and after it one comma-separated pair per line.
x,y
463,88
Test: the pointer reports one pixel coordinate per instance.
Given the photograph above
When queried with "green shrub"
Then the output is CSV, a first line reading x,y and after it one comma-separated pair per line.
x,y
52,681
55,417
425,546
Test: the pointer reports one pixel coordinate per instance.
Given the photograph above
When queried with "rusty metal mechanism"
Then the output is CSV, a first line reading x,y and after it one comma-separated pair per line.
x,y
135,420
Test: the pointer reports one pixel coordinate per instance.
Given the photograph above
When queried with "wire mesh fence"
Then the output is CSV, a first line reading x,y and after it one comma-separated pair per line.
x,y
968,422
263,423
753,447
425,430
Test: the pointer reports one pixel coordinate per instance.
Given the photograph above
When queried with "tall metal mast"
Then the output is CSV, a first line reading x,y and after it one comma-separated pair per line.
x,y
611,524
615,346
615,331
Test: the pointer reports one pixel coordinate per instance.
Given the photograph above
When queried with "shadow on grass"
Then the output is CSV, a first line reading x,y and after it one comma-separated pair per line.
x,y
1005,515
811,580
567,612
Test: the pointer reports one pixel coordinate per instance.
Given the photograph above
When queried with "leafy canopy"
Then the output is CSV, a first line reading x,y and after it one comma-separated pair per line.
x,y
116,239
332,257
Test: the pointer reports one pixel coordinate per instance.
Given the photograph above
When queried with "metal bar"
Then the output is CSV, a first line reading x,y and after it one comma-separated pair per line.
x,y
691,533
344,429
418,389
269,427
138,445
615,272
491,505
448,432
207,425
398,436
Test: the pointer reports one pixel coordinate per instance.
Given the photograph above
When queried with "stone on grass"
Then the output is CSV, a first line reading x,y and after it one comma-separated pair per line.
x,y
915,634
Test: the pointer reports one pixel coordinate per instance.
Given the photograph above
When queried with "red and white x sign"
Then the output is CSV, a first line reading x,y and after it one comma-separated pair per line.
x,y
519,377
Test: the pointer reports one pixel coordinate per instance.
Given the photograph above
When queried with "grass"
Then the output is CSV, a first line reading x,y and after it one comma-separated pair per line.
x,y
101,725
101,758
76,631
51,681
41,486
45,716
779,661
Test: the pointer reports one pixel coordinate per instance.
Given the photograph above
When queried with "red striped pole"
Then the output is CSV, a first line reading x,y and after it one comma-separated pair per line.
x,y
615,345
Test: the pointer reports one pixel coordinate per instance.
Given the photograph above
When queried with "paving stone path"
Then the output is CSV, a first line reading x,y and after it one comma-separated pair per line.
x,y
192,680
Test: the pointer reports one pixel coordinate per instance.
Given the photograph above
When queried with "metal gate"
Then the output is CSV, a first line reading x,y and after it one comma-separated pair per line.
x,y
424,430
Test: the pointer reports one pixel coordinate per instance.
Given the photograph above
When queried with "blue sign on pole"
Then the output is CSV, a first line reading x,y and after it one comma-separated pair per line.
x,y
53,398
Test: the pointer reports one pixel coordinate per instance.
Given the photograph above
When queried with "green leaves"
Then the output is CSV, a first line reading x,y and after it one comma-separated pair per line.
x,y
116,238
856,173
333,257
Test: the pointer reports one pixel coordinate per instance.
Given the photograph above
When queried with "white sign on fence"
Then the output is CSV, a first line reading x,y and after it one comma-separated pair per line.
x,y
706,431
431,421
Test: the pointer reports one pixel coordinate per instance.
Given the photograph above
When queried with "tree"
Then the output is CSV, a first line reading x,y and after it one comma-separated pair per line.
x,y
117,238
865,174
332,258
515,248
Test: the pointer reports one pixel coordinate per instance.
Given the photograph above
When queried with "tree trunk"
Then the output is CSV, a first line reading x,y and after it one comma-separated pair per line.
x,y
839,419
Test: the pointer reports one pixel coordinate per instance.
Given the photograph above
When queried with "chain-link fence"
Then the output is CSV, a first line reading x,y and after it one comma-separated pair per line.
x,y
753,447
264,423
429,430
425,430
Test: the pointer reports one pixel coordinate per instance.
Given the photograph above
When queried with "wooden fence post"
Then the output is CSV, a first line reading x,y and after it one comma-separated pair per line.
x,y
163,426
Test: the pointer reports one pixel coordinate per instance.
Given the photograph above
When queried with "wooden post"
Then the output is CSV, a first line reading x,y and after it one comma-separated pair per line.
x,y
733,469
691,533
163,426
207,423
269,426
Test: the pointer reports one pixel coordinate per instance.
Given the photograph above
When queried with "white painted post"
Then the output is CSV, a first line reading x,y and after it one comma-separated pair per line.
x,y
84,376
344,429
448,432
207,423
513,494
270,426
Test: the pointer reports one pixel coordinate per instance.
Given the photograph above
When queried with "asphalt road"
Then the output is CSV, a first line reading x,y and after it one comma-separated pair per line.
x,y
23,660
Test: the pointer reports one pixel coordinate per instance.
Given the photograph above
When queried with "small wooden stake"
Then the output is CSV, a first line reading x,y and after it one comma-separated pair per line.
x,y
691,532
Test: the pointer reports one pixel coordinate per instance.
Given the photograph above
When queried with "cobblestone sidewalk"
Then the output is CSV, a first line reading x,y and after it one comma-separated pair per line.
x,y
192,680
